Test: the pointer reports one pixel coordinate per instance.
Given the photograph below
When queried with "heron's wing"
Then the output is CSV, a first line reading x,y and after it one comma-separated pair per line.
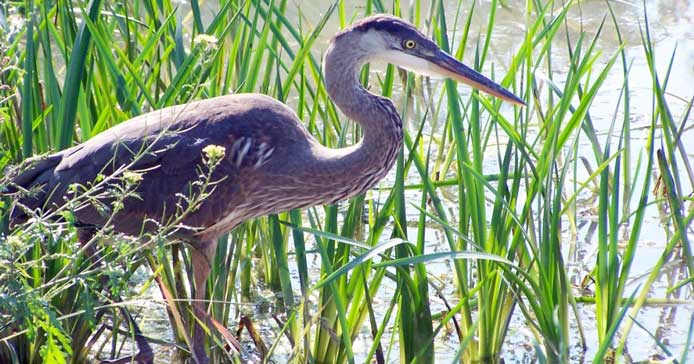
x,y
170,179
25,183
166,147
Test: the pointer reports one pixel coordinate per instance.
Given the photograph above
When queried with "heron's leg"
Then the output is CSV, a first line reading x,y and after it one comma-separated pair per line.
x,y
145,355
201,259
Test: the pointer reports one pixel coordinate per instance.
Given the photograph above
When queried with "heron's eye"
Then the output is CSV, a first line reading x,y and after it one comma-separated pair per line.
x,y
409,44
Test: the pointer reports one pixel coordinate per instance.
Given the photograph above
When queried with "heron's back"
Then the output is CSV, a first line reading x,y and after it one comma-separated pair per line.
x,y
166,146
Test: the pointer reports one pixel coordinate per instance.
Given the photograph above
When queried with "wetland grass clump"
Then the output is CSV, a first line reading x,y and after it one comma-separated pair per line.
x,y
362,281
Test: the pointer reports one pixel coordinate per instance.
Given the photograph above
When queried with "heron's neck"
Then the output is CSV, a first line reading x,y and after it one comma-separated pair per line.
x,y
375,114
360,166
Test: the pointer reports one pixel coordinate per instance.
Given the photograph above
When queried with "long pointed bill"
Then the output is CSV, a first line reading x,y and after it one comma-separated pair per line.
x,y
447,66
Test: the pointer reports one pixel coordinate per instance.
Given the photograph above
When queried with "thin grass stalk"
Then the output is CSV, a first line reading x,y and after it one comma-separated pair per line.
x,y
28,87
413,309
74,77
672,142
613,272
461,267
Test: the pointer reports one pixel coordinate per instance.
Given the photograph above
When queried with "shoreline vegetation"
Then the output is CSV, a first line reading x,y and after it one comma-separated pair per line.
x,y
466,253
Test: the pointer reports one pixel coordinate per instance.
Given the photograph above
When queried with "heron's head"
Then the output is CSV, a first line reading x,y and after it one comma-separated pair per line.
x,y
387,38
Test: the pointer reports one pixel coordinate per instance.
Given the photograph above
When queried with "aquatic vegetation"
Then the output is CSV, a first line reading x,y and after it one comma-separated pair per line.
x,y
468,251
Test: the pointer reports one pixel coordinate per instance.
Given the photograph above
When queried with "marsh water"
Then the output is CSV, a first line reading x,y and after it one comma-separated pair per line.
x,y
672,26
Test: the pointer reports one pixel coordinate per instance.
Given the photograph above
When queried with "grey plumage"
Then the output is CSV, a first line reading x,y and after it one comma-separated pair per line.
x,y
272,163
174,138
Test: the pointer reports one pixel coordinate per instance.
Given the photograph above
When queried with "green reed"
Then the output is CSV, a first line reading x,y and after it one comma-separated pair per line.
x,y
75,70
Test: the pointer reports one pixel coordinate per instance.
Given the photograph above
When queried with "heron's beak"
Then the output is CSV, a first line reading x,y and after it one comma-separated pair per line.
x,y
445,65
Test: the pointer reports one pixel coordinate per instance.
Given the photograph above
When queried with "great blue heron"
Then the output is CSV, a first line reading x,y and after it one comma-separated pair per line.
x,y
271,164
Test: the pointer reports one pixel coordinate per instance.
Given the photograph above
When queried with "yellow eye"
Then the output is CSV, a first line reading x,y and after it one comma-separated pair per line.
x,y
409,44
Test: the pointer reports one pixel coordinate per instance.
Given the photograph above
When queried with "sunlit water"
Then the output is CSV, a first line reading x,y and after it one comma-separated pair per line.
x,y
672,25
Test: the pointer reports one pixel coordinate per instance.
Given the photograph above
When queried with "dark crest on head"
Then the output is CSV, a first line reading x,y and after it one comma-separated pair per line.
x,y
383,23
